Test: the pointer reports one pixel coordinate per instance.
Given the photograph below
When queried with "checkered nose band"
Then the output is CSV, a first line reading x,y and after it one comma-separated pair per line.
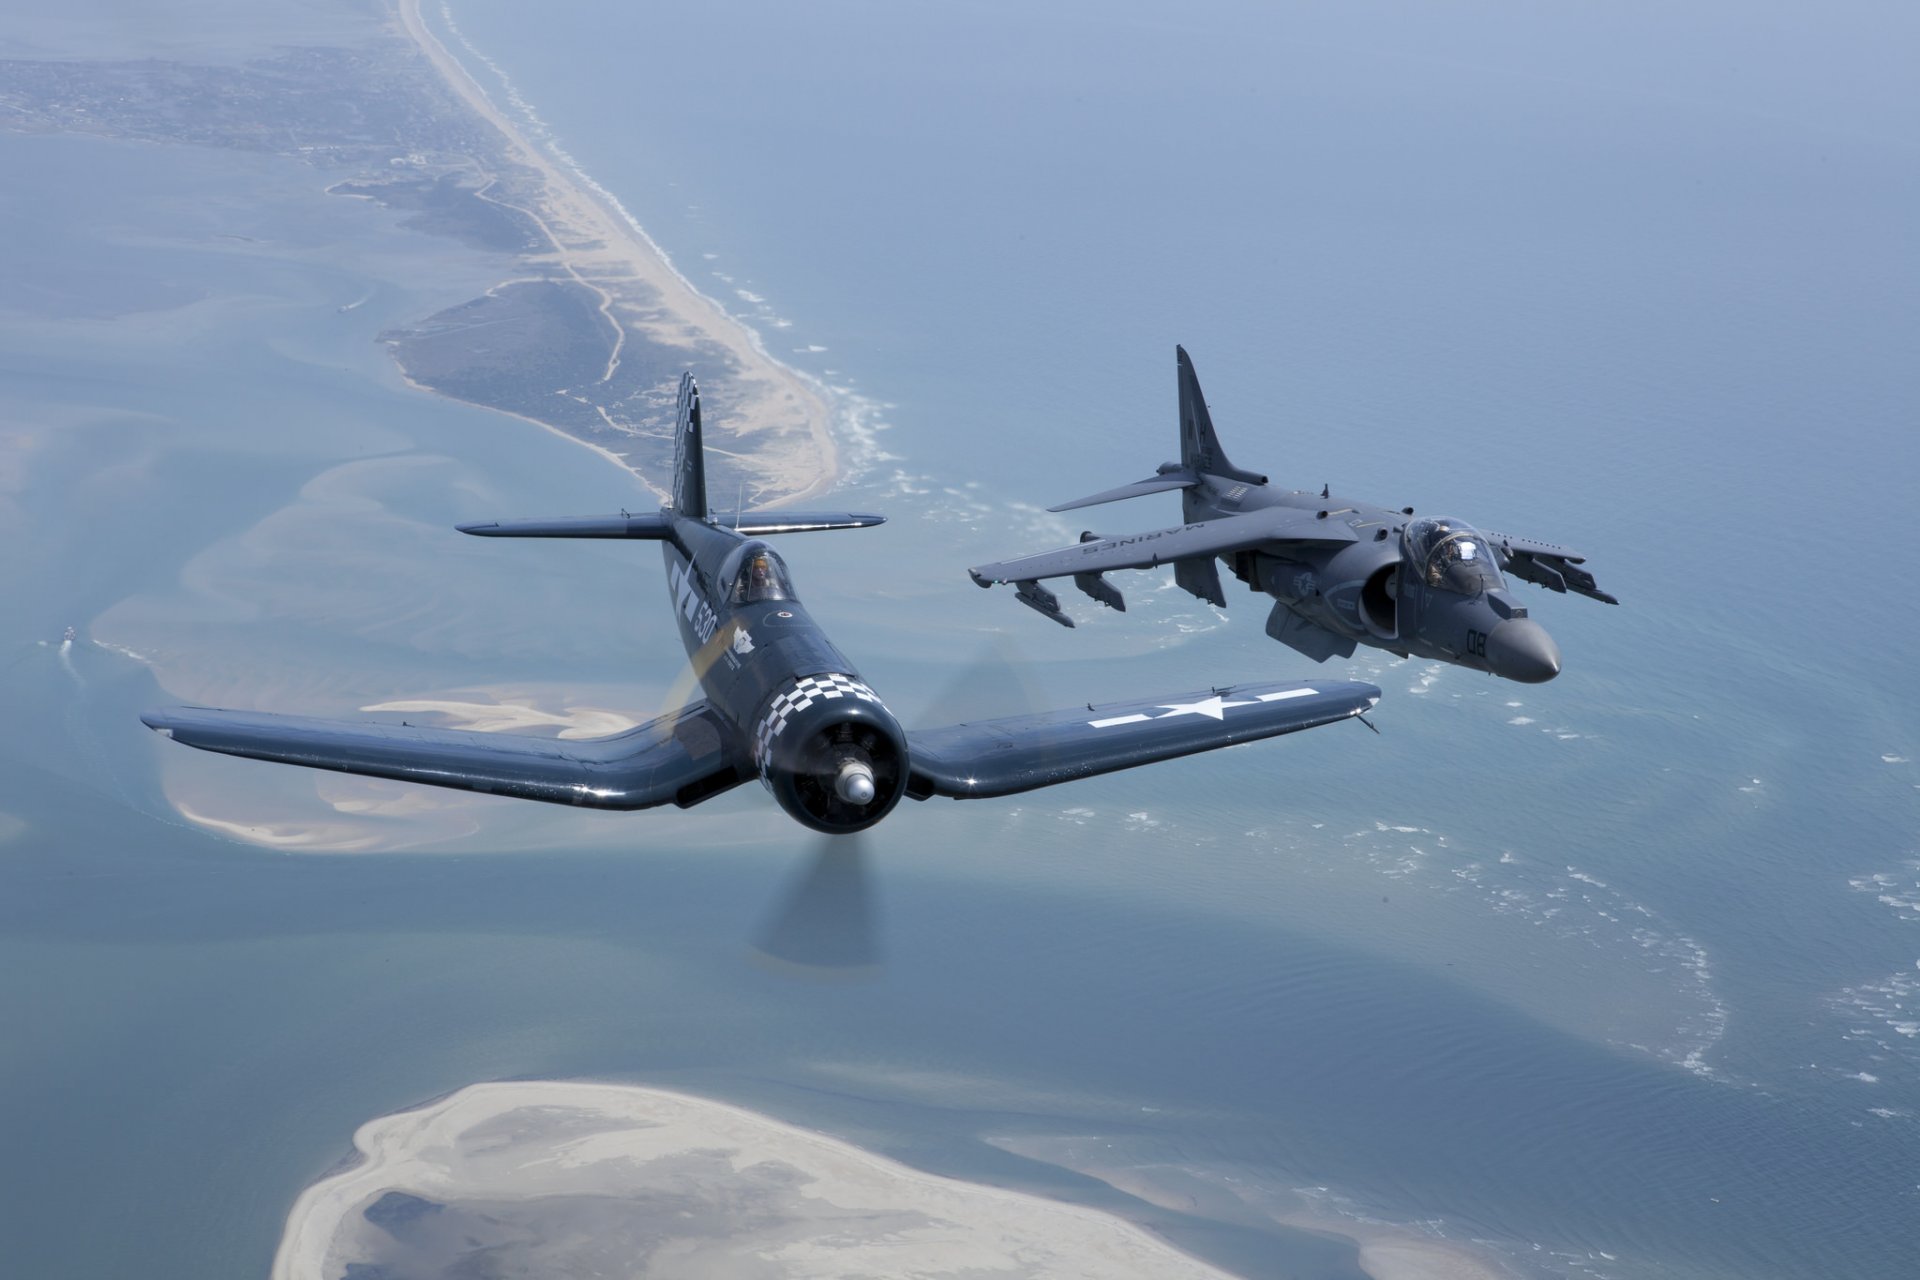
x,y
797,697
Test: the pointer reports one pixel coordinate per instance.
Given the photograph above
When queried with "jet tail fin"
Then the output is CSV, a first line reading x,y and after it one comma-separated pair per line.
x,y
1200,450
689,493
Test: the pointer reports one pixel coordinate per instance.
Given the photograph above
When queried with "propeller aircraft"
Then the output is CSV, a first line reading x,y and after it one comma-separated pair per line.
x,y
781,703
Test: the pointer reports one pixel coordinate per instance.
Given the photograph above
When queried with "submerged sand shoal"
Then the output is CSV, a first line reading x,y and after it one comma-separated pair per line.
x,y
565,1179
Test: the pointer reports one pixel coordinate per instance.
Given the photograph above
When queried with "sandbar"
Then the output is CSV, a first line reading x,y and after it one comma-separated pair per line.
x,y
578,1179
1387,1251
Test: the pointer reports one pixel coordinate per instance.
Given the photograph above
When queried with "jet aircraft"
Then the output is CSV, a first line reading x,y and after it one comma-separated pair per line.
x,y
781,702
1342,572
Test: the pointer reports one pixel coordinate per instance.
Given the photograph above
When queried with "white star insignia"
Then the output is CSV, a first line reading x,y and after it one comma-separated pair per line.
x,y
1216,706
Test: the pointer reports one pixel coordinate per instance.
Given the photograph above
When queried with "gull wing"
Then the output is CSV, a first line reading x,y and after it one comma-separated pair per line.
x,y
1204,538
1556,568
1019,753
680,758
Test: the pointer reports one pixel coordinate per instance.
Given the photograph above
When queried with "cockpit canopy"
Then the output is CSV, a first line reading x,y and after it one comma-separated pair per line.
x,y
1452,555
760,575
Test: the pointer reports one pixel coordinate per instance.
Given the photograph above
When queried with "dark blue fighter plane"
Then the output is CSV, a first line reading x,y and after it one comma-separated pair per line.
x,y
782,703
1342,572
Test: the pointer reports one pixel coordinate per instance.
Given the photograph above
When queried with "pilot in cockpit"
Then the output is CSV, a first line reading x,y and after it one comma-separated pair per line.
x,y
1457,550
761,578
1452,554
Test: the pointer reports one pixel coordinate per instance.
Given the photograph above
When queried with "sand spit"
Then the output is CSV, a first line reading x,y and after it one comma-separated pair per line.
x,y
647,311
1386,1251
567,1179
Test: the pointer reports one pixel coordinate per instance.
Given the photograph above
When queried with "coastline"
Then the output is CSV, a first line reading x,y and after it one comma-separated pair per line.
x,y
640,1174
783,419
1386,1251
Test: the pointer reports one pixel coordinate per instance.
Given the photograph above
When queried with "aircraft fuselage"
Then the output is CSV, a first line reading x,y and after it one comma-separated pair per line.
x,y
1333,596
773,674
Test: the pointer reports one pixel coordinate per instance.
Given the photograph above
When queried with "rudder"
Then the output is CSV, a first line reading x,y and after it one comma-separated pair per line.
x,y
689,493
1200,450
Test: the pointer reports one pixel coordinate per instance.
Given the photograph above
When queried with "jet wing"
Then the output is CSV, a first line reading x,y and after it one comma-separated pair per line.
x,y
1206,538
1556,568
681,758
1020,753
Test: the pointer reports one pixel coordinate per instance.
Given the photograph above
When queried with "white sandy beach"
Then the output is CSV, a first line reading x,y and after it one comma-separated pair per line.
x,y
785,418
559,1175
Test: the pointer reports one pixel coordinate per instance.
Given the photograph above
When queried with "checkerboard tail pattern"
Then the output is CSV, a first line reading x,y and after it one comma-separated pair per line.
x,y
797,697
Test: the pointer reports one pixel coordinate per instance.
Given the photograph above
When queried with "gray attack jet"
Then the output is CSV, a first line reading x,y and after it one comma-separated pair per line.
x,y
782,704
1344,572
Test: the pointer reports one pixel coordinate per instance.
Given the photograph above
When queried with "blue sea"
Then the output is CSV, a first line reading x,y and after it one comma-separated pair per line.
x,y
1617,976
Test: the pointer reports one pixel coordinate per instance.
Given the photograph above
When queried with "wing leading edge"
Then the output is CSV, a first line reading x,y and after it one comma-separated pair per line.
x,y
1019,753
1204,538
681,758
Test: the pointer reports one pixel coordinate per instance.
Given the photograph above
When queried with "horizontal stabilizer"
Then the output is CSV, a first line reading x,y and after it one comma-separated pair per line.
x,y
757,523
1174,478
1020,753
681,758
656,526
621,526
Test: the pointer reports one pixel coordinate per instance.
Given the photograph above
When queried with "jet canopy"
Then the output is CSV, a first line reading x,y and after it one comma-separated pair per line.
x,y
1452,555
758,574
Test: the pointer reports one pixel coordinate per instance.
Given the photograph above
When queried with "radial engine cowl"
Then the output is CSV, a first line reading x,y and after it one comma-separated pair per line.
x,y
832,754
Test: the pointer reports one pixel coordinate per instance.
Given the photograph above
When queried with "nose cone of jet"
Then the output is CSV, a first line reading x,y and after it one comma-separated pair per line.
x,y
1520,649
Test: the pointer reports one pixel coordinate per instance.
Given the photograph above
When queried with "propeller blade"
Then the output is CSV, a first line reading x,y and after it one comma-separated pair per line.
x,y
824,921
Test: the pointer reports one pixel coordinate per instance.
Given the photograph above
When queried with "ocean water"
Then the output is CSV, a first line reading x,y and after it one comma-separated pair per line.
x,y
1618,974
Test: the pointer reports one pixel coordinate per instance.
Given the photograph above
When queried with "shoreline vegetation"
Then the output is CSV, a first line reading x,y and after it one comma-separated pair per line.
x,y
603,306
588,326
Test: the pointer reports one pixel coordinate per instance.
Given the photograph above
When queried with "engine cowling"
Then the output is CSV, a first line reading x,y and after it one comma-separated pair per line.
x,y
831,753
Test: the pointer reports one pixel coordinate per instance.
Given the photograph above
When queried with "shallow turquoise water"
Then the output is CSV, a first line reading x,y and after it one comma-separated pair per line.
x,y
1625,968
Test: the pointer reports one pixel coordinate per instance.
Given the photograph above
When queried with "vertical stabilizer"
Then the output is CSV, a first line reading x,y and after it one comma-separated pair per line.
x,y
1200,450
689,495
